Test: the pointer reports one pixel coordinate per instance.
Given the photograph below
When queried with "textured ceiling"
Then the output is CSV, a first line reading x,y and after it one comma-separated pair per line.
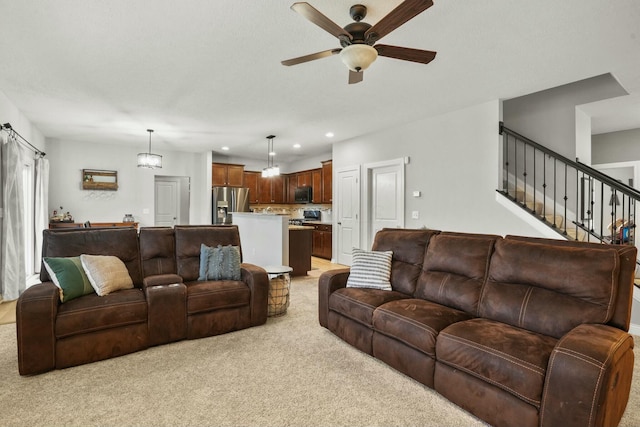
x,y
206,74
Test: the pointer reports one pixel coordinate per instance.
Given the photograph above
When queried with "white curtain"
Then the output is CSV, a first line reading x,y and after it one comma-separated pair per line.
x,y
12,263
41,208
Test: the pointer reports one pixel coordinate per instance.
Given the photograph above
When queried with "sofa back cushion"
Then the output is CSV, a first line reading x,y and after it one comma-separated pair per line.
x,y
455,269
119,242
627,254
549,289
157,251
408,247
189,239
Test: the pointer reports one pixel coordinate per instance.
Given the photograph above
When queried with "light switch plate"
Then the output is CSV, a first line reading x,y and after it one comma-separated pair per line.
x,y
415,214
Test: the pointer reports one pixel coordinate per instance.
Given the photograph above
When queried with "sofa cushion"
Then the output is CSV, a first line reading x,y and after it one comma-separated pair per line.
x,y
219,263
69,276
106,273
415,322
408,247
358,304
214,295
94,313
370,269
454,270
121,242
508,357
188,239
549,289
157,251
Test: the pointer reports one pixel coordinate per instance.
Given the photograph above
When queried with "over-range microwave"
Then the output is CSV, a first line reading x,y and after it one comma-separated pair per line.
x,y
303,194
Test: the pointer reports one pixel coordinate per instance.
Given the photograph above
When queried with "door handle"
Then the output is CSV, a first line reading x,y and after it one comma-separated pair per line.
x,y
339,223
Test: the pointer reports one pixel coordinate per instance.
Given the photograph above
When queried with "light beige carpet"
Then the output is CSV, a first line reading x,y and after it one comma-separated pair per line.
x,y
289,372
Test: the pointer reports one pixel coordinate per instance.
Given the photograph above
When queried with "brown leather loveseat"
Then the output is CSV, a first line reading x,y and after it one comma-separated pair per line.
x,y
518,331
167,303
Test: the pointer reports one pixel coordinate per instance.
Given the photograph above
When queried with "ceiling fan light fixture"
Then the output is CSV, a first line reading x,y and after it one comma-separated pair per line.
x,y
358,57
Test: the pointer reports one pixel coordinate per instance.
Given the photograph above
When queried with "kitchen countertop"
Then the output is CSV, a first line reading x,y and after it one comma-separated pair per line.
x,y
300,227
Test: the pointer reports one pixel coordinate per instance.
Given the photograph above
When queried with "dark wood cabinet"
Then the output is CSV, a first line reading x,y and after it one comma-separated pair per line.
x,y
327,181
300,243
271,189
316,184
321,240
291,183
304,179
227,175
251,182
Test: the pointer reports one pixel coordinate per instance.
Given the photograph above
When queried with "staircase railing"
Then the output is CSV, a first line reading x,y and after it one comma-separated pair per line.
x,y
575,200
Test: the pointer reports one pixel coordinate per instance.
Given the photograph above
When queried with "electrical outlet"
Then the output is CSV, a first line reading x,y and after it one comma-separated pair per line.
x,y
415,215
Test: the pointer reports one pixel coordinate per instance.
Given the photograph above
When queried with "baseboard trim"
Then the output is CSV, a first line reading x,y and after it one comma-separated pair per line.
x,y
634,329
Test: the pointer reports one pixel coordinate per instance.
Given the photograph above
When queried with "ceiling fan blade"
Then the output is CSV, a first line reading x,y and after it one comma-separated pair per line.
x,y
312,14
355,76
311,57
398,16
405,53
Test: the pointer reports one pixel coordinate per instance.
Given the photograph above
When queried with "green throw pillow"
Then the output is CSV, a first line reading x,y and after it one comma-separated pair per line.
x,y
69,276
220,263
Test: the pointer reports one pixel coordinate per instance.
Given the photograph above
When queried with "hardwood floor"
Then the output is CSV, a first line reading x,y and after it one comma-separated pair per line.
x,y
319,265
7,312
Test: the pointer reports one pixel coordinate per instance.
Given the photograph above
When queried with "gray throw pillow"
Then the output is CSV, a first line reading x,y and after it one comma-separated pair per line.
x,y
219,263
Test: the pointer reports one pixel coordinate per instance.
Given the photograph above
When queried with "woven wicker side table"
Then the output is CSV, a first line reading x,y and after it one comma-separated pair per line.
x,y
279,284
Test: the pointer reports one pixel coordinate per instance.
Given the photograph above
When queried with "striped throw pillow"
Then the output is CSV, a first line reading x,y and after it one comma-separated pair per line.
x,y
69,276
370,269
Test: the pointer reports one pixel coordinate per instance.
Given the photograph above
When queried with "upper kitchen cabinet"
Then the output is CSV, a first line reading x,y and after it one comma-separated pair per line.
x,y
327,181
227,175
304,179
316,184
251,180
272,189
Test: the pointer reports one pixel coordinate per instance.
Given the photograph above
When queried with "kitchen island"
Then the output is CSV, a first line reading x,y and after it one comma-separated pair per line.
x,y
268,239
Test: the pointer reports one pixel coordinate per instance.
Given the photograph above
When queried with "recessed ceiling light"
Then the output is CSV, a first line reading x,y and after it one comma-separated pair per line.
x,y
329,134
296,145
272,153
225,148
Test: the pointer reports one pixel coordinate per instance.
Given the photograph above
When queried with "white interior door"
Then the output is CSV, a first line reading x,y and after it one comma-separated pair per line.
x,y
385,192
167,196
347,213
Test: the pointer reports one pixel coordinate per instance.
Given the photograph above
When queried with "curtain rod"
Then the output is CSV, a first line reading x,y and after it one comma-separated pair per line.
x,y
7,127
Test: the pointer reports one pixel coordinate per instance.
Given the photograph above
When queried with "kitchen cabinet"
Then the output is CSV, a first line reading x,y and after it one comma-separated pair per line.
x,y
227,175
304,179
251,180
300,242
316,184
321,240
327,181
291,183
271,189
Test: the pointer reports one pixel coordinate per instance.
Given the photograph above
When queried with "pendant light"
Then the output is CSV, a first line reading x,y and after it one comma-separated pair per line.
x,y
270,170
148,159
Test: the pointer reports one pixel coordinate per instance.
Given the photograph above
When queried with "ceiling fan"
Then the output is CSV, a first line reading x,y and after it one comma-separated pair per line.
x,y
358,38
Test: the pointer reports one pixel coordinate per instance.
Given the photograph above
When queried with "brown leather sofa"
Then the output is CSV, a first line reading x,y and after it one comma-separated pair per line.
x,y
166,304
516,330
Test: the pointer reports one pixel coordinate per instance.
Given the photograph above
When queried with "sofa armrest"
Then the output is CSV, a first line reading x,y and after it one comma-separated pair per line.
x,y
36,312
329,282
166,312
588,377
160,280
258,282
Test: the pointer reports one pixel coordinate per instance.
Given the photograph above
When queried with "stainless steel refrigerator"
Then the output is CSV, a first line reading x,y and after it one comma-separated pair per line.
x,y
226,200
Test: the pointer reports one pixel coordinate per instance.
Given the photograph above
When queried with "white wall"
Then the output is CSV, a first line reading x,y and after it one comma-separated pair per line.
x,y
9,113
613,147
135,185
549,117
454,160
